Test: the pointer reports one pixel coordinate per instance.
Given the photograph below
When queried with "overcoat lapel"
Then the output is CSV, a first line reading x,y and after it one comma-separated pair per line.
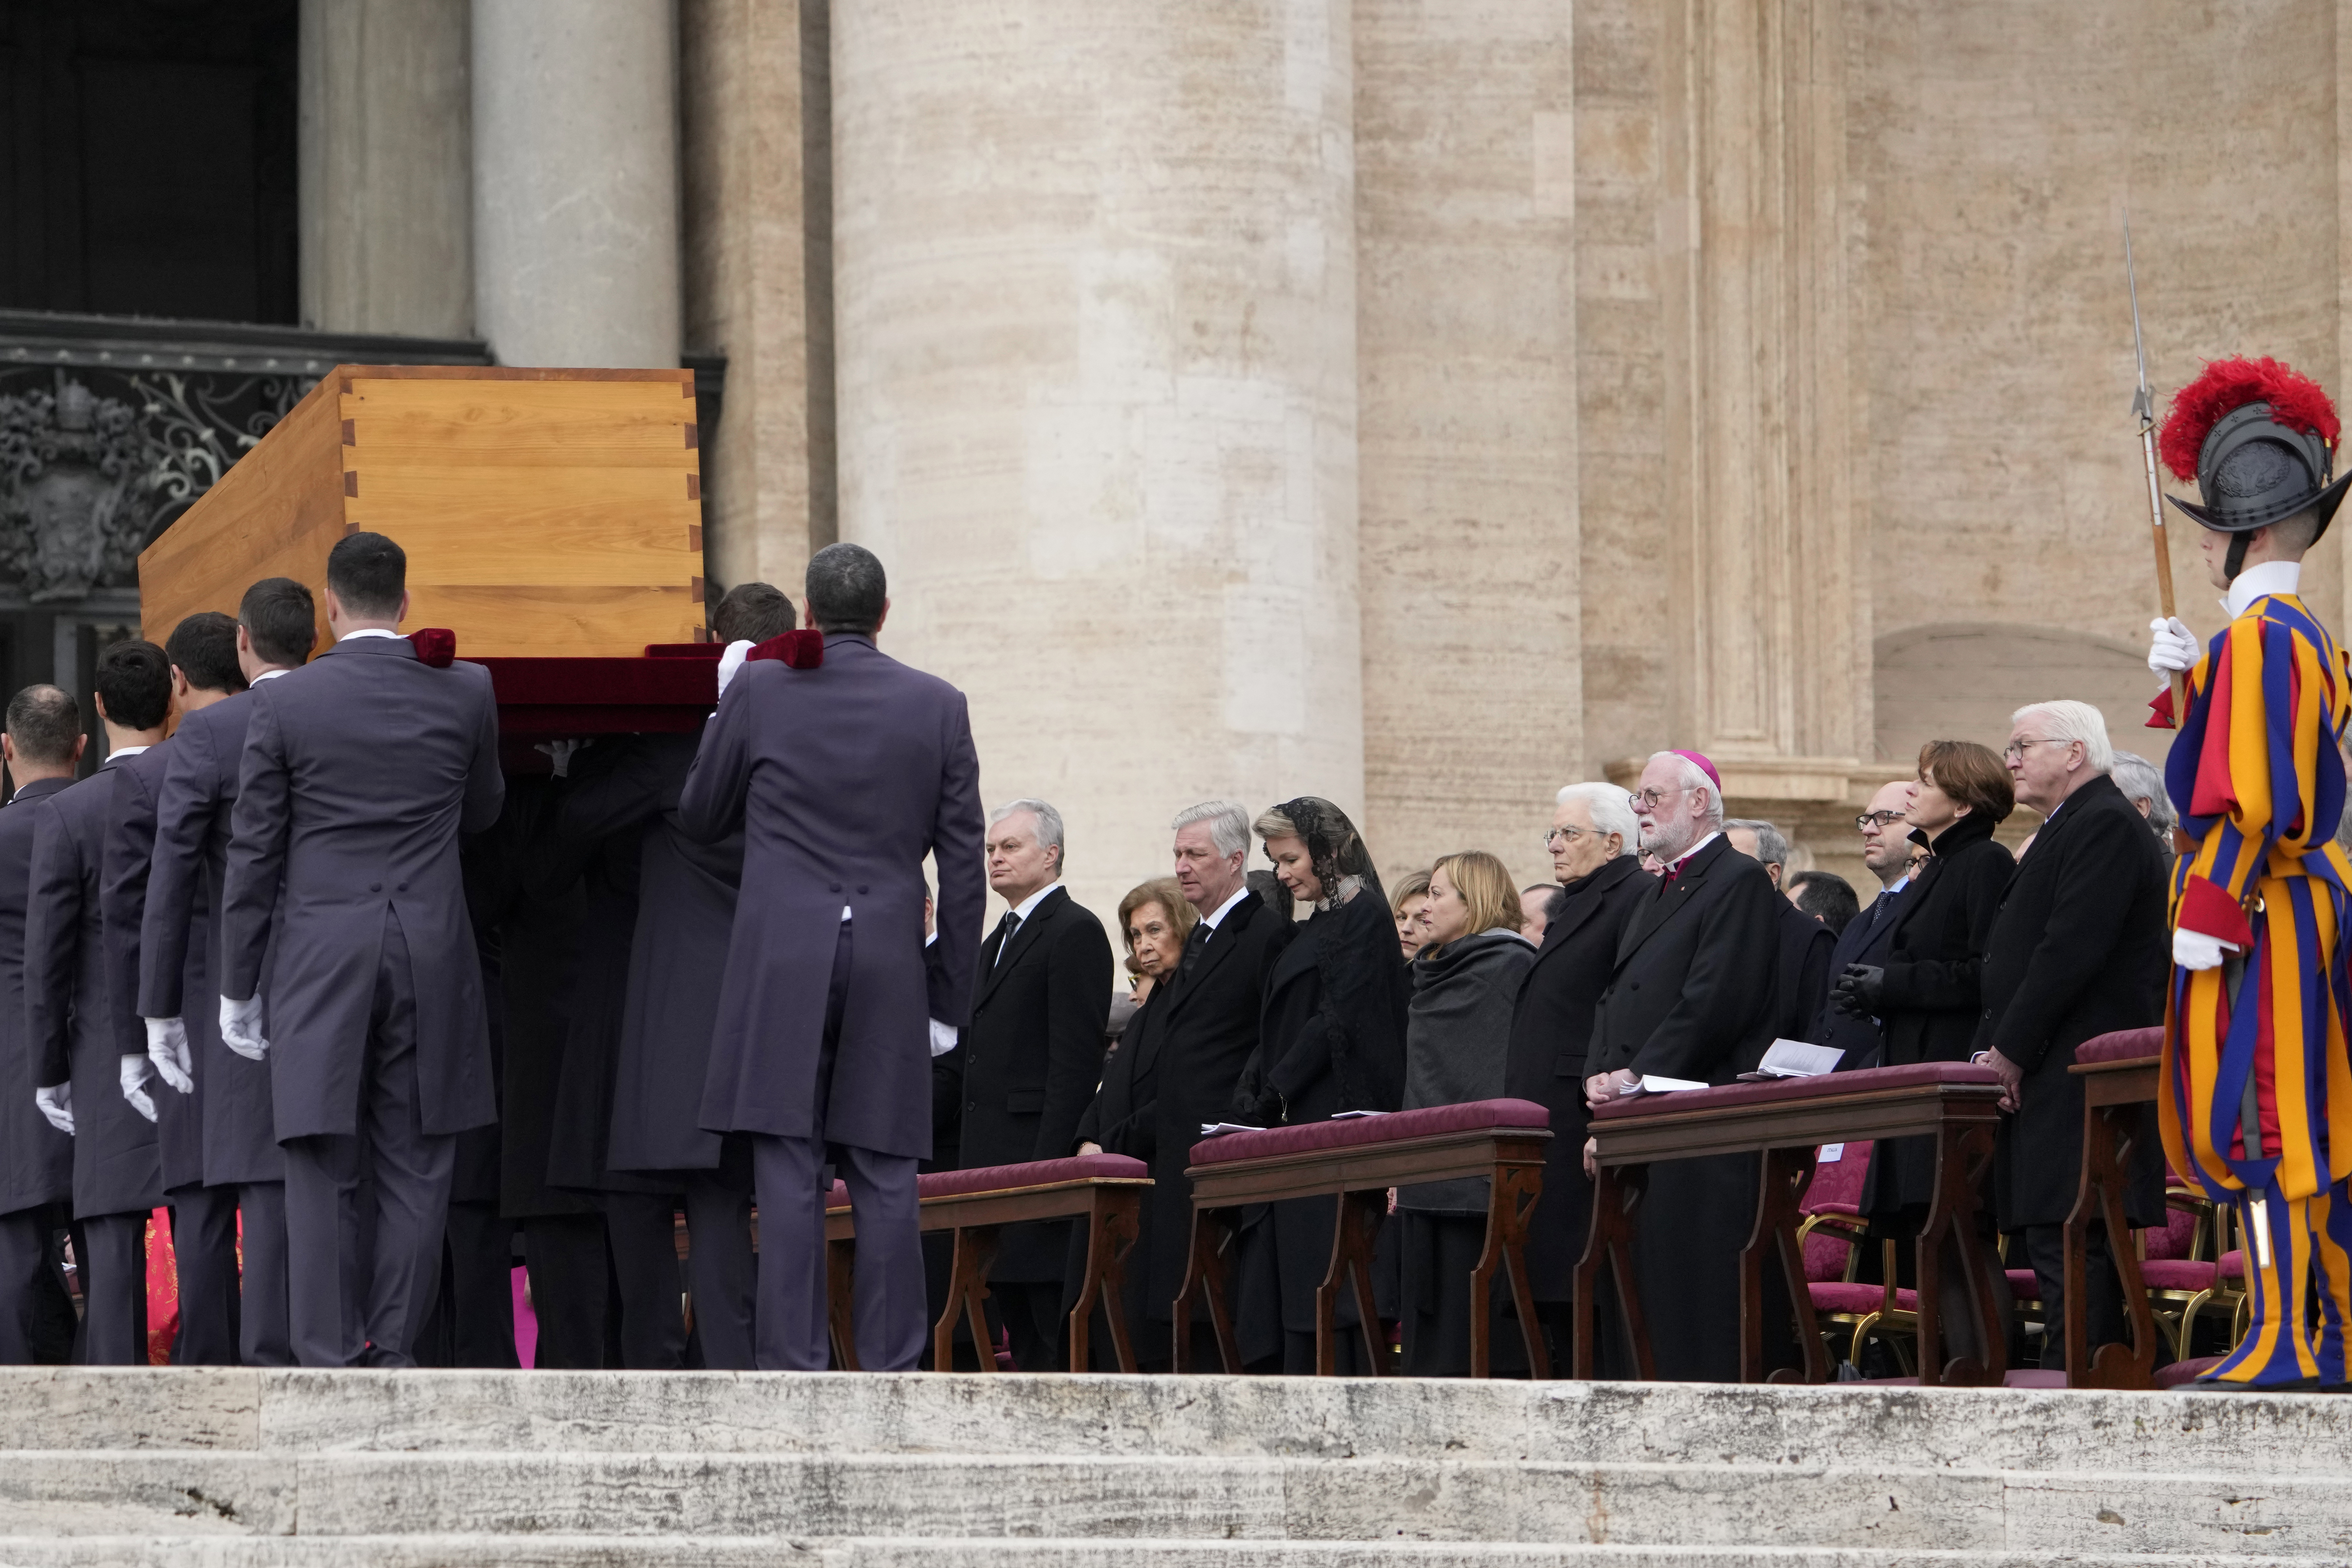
x,y
1671,900
998,964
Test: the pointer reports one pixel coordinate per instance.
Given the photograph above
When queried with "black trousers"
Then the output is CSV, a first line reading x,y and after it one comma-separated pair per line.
x,y
571,1288
472,1320
1035,1323
721,1269
112,1251
264,1334
34,1303
2045,1253
359,1295
642,1230
204,1246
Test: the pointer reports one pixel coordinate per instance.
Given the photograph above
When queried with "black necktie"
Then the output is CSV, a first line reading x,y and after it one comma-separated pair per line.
x,y
1878,908
1192,946
1005,929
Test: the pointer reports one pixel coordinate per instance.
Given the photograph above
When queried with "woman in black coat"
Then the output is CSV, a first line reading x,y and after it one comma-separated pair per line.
x,y
1928,994
1330,1038
1466,984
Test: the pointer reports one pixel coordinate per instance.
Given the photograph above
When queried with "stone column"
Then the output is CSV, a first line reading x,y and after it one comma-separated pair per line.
x,y
1095,307
386,210
576,181
1770,611
1466,214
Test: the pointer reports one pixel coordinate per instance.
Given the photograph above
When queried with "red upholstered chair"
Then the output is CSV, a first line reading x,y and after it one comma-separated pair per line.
x,y
1831,1236
2181,1267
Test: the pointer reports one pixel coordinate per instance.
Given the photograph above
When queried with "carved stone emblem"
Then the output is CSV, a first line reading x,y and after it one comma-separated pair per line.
x,y
77,490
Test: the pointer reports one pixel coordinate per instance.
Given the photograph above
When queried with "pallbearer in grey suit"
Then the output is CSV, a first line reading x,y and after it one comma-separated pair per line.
x,y
359,770
179,943
88,1037
844,768
204,1217
44,741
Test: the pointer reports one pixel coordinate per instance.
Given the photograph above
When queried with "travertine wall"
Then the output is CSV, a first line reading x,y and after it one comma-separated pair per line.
x,y
1467,358
1096,313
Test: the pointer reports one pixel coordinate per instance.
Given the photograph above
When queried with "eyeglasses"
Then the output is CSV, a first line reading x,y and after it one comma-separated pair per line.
x,y
1870,820
2015,751
1653,799
1564,836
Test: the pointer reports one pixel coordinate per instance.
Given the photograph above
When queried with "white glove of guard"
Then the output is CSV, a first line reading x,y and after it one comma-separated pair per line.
x,y
2195,949
2172,648
135,1070
167,1048
240,1026
560,753
732,660
57,1103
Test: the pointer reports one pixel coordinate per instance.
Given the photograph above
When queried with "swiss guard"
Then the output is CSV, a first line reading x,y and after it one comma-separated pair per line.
x,y
2257,1097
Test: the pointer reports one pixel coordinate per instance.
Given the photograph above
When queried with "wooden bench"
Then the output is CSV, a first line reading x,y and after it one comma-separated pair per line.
x,y
1106,1191
1355,1162
1785,1122
2119,1074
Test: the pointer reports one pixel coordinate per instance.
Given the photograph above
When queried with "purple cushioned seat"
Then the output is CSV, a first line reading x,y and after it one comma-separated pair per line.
x,y
2177,1274
1005,1178
2190,1371
2023,1285
1838,1296
1473,1116
1822,1085
2234,1266
2123,1045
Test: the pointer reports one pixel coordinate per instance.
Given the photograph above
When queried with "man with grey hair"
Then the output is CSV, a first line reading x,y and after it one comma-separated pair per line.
x,y
1600,885
1033,1055
1694,996
2079,948
1805,943
1194,1041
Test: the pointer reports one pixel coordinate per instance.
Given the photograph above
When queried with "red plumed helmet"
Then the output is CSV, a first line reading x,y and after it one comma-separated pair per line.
x,y
2295,400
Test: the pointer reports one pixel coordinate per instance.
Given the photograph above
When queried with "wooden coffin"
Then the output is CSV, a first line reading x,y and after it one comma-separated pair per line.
x,y
546,513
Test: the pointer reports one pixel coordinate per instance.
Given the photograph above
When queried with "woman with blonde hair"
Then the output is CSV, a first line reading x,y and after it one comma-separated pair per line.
x,y
1465,985
1405,905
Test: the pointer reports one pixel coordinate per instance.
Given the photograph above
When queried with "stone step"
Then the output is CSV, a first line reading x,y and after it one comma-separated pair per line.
x,y
783,1552
366,1493
1094,1416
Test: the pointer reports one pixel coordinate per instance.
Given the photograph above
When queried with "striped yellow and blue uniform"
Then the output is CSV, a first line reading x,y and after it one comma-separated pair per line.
x,y
2258,778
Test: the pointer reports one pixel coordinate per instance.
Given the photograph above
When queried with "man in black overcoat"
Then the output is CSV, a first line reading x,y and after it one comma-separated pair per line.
x,y
1200,1038
843,768
204,1214
1032,1057
1694,996
360,768
89,1035
43,743
1592,838
178,941
1886,853
2080,947
1806,943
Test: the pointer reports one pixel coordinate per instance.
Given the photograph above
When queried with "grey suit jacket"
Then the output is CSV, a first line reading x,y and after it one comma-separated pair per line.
x,y
75,1022
359,770
124,862
843,778
35,1159
180,938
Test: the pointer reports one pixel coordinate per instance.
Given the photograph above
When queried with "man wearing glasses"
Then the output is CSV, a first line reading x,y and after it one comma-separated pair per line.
x,y
1864,941
2076,950
1692,996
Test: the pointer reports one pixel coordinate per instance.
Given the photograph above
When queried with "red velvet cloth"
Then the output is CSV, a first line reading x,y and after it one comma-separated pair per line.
x,y
802,649
434,646
1837,1296
2123,1045
552,699
1470,1116
1008,1178
1822,1085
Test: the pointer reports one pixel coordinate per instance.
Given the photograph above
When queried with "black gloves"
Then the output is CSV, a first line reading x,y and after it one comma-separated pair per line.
x,y
1861,990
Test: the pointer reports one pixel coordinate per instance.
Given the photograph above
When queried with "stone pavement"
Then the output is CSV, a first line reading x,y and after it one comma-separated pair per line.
x,y
302,1469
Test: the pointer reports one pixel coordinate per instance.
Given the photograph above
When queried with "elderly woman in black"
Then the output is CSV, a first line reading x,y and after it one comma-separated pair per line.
x,y
1466,987
1925,995
1330,1038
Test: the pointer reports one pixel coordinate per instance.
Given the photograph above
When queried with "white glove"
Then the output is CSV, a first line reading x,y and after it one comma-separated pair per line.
x,y
241,1026
732,660
167,1048
2172,648
134,1073
57,1103
943,1038
560,753
2195,949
